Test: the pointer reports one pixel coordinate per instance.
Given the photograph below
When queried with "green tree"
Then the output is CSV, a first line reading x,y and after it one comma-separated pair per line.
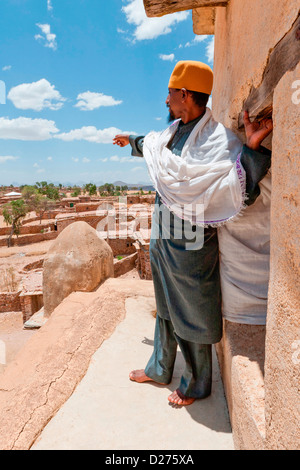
x,y
13,213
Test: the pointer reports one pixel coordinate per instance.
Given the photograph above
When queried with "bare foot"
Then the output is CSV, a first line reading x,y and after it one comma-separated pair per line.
x,y
140,377
177,398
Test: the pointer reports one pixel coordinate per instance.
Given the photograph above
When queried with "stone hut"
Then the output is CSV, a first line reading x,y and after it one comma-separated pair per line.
x,y
256,67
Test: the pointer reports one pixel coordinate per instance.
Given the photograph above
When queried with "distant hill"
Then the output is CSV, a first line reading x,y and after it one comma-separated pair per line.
x,y
144,186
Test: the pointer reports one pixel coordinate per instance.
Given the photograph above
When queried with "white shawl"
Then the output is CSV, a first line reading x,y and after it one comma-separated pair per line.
x,y
206,184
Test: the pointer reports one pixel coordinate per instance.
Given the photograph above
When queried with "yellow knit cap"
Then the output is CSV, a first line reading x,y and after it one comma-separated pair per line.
x,y
192,75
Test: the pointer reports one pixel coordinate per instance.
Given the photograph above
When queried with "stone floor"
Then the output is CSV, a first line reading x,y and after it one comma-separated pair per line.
x,y
108,411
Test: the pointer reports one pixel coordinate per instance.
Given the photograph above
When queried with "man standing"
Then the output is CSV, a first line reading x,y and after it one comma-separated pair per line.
x,y
194,163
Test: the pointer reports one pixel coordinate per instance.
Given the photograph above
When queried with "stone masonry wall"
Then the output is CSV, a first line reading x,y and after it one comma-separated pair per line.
x,y
10,302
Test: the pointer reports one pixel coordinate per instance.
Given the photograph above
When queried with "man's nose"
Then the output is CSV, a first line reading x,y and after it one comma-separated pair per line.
x,y
168,99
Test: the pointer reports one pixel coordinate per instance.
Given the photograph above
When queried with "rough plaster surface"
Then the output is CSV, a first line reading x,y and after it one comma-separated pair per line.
x,y
241,357
78,260
47,370
242,47
283,330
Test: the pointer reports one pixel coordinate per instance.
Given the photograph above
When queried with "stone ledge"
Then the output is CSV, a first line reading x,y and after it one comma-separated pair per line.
x,y
48,368
241,357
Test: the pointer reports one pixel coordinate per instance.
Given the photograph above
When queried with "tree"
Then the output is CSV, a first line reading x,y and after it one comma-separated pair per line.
x,y
76,191
29,193
13,213
90,188
43,204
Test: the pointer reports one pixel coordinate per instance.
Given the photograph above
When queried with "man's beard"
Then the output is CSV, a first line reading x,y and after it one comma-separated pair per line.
x,y
171,116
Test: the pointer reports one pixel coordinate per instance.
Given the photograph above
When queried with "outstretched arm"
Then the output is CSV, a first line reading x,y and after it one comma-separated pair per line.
x,y
135,142
121,140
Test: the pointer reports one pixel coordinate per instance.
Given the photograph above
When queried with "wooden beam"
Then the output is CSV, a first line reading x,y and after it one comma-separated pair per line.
x,y
284,57
155,8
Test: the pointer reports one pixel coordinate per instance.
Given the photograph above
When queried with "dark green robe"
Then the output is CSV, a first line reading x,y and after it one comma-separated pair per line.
x,y
187,282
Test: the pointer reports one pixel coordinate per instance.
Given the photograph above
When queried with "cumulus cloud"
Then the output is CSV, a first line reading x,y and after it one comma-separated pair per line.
x,y
27,129
49,5
7,158
47,37
89,101
150,28
197,39
210,49
37,96
167,57
86,160
92,134
6,68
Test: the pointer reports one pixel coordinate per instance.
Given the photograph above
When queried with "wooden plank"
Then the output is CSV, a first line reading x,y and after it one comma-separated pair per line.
x,y
155,8
284,57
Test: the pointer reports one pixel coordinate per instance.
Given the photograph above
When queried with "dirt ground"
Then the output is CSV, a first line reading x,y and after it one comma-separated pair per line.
x,y
15,258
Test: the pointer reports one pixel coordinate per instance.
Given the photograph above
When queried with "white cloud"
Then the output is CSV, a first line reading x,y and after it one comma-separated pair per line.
x,y
36,165
7,158
89,101
41,170
92,134
50,159
115,158
197,39
48,37
150,28
27,129
37,96
49,5
6,68
85,160
137,168
210,50
75,159
168,57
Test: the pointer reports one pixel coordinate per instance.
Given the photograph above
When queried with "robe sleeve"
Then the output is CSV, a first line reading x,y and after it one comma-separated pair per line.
x,y
136,145
256,165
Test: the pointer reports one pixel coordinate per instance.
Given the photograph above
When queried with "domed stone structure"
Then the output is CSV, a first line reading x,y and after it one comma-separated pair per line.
x,y
78,260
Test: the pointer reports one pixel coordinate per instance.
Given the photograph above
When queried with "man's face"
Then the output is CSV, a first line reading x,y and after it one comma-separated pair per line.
x,y
174,103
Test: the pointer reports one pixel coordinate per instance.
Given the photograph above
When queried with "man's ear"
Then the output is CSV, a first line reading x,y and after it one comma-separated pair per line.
x,y
184,94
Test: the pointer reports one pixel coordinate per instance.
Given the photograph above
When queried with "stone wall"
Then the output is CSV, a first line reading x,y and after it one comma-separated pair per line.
x,y
10,302
143,260
283,340
28,239
29,229
244,40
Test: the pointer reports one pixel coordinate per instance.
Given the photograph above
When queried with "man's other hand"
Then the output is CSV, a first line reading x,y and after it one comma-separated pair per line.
x,y
256,132
121,140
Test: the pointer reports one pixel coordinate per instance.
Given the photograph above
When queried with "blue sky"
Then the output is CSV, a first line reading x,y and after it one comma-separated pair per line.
x,y
78,71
